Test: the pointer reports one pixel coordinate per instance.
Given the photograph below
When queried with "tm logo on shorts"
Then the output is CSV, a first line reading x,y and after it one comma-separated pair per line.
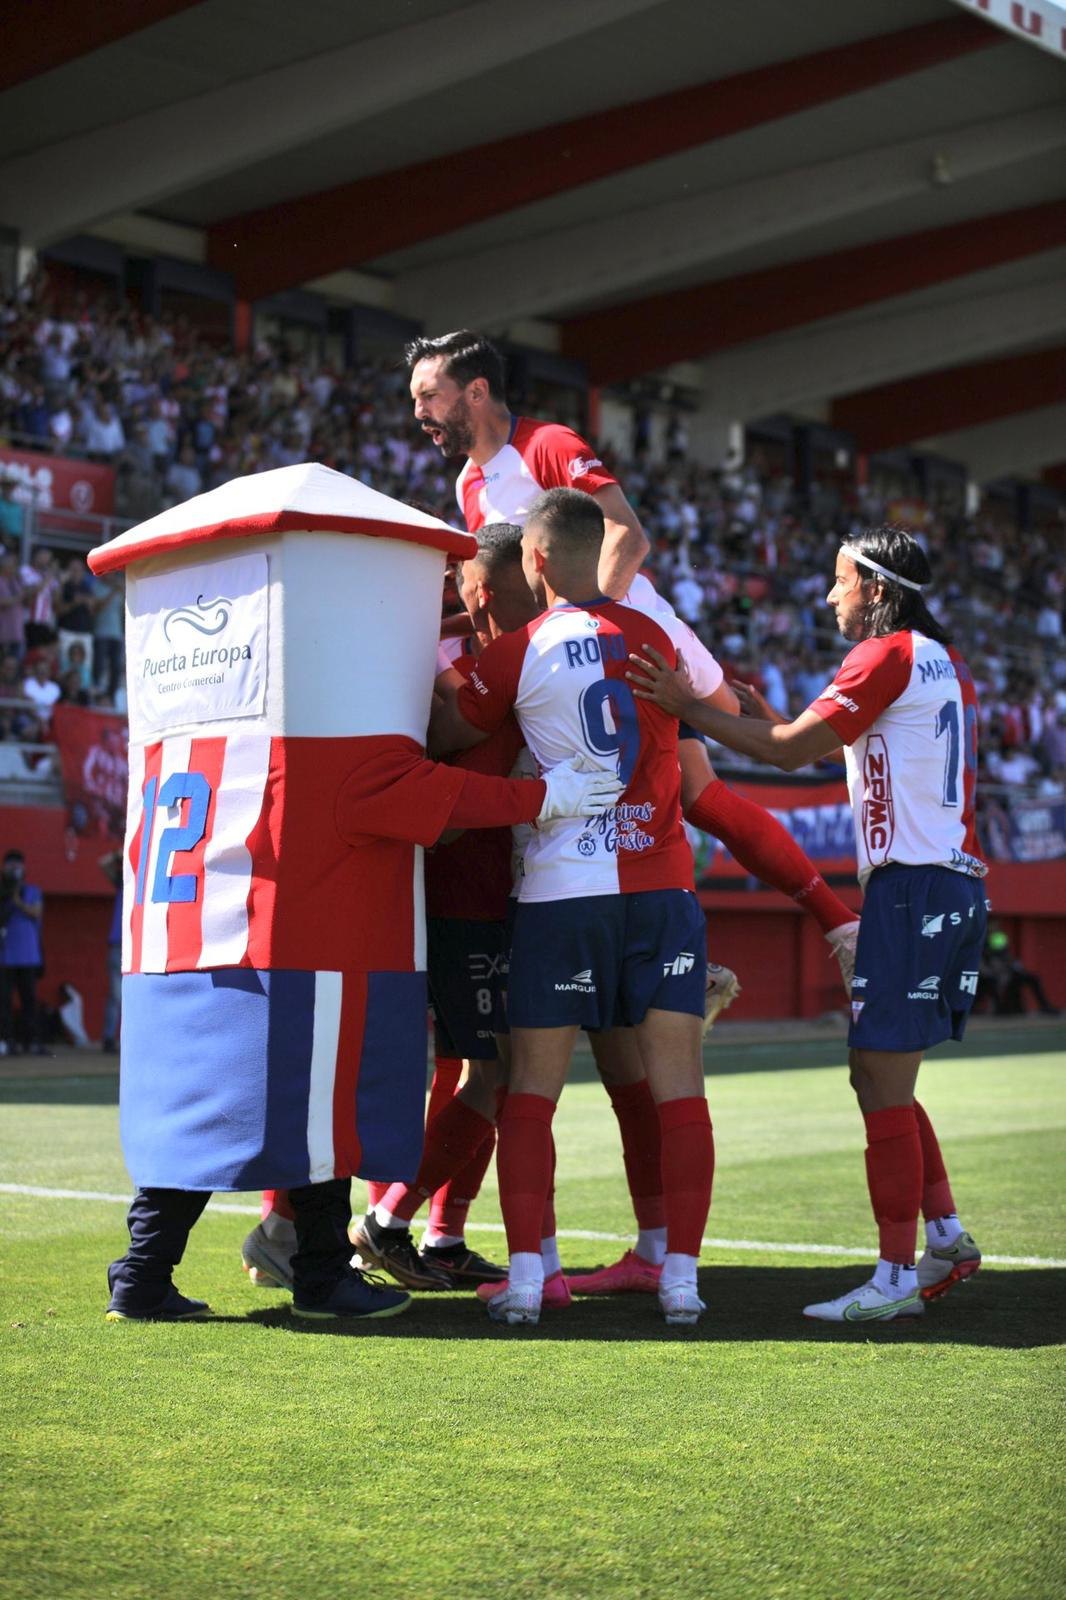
x,y
928,989
679,965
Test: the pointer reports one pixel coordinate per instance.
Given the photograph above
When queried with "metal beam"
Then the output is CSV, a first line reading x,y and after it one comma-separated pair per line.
x,y
64,187
39,38
838,358
641,336
1023,446
287,244
550,274
956,398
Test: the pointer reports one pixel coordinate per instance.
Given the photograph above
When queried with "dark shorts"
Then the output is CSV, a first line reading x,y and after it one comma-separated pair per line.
x,y
685,730
603,961
918,957
467,970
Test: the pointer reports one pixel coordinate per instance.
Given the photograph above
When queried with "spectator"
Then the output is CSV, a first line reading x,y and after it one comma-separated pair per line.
x,y
1006,980
111,866
41,688
183,479
12,614
41,584
109,633
102,431
75,606
12,516
21,909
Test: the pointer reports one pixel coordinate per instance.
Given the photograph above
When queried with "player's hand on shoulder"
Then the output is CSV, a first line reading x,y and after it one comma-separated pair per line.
x,y
578,788
653,678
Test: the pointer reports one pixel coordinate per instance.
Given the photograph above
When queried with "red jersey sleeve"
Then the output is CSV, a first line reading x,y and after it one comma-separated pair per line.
x,y
492,687
870,678
560,458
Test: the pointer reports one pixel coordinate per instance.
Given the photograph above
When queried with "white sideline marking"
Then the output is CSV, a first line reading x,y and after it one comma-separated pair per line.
x,y
761,1246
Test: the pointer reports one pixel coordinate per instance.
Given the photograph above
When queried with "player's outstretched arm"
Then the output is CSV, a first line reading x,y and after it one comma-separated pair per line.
x,y
788,745
625,544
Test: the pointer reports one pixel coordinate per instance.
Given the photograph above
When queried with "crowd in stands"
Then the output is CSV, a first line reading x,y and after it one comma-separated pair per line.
x,y
743,555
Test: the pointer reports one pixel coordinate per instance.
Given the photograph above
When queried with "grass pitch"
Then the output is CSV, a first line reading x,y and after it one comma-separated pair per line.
x,y
598,1455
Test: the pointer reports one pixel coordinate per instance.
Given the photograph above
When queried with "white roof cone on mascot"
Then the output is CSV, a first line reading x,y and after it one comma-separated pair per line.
x,y
281,644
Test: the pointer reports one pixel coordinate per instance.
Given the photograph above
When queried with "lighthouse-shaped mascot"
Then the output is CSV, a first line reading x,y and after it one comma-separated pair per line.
x,y
281,647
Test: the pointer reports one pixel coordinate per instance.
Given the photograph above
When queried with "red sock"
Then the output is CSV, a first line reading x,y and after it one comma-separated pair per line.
x,y
376,1192
276,1200
446,1074
688,1172
642,1138
894,1178
936,1190
524,1161
451,1204
766,848
547,1220
451,1140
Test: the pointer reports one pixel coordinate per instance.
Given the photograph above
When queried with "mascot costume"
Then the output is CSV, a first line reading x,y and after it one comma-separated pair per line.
x,y
281,646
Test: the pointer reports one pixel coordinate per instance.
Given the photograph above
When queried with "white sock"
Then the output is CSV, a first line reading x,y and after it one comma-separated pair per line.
x,y
651,1245
282,1229
549,1255
385,1219
679,1272
526,1270
440,1241
895,1280
942,1230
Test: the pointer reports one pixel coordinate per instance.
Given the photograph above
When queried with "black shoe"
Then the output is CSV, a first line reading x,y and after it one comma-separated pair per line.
x,y
355,1294
393,1250
462,1264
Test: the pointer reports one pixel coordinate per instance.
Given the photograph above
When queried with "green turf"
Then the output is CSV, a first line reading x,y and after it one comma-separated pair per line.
x,y
599,1455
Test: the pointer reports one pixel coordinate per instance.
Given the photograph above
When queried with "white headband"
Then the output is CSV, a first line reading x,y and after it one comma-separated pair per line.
x,y
852,554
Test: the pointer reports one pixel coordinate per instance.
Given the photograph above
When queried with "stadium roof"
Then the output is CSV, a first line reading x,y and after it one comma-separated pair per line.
x,y
811,201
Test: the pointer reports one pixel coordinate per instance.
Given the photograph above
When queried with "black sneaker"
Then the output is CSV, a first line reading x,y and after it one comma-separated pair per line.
x,y
462,1264
393,1250
355,1294
174,1307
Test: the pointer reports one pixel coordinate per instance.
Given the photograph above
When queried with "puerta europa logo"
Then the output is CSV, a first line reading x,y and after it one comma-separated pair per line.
x,y
208,618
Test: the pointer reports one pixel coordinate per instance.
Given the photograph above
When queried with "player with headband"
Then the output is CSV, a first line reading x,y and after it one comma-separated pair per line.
x,y
904,706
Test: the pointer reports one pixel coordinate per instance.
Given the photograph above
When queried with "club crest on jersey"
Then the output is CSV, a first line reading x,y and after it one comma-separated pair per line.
x,y
878,808
582,464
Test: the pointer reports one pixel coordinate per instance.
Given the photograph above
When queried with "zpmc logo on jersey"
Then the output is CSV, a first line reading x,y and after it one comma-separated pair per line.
x,y
878,810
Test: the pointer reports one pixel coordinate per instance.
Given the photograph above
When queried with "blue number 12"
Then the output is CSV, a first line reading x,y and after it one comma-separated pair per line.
x,y
181,887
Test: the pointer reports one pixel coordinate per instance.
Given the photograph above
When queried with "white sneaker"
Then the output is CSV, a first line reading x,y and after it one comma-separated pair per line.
x,y
722,989
866,1304
681,1305
944,1265
842,942
516,1305
268,1262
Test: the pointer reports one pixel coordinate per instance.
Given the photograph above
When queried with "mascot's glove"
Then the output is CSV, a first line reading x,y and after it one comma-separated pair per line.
x,y
578,788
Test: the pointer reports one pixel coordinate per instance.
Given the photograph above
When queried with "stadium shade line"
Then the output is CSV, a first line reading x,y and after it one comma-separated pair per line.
x,y
764,1246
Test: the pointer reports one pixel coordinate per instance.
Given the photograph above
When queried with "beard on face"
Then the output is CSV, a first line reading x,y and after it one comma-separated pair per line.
x,y
453,434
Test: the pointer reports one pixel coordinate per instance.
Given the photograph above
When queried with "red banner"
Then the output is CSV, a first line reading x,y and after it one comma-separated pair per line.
x,y
817,815
92,754
59,483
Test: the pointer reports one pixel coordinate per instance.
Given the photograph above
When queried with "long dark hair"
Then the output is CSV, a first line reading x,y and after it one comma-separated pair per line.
x,y
899,607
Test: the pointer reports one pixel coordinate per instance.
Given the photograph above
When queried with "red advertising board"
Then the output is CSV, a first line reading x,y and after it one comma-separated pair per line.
x,y
59,483
92,754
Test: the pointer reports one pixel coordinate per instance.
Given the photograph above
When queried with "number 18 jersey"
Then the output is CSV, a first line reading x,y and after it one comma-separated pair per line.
x,y
564,676
905,708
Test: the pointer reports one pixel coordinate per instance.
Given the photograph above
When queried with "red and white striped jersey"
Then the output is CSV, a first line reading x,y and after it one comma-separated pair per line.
x,y
564,676
905,708
537,456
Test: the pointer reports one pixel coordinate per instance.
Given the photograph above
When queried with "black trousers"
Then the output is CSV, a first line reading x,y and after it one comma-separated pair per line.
x,y
24,980
160,1221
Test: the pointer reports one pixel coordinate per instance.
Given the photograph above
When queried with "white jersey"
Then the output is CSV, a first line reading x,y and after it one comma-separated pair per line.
x,y
906,711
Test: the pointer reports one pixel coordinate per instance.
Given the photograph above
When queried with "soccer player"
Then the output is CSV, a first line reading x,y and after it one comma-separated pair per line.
x,y
607,927
457,386
903,705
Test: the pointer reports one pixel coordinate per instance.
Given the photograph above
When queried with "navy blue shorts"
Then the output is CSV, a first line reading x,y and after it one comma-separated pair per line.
x,y
605,960
685,730
467,971
917,960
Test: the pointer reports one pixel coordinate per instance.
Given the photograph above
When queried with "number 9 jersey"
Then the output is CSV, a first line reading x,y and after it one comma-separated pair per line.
x,y
564,676
905,708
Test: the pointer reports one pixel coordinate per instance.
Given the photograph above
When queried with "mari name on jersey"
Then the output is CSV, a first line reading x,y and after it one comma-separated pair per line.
x,y
905,708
